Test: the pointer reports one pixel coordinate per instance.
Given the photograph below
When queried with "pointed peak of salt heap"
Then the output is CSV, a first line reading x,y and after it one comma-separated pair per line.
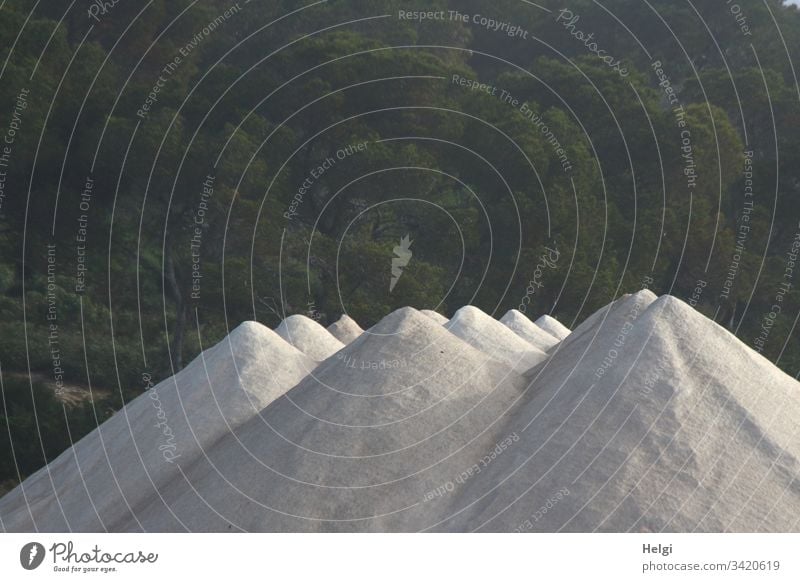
x,y
128,458
435,316
485,333
353,441
309,337
401,320
648,417
629,302
519,323
253,333
406,334
552,326
674,425
250,327
403,349
345,329
670,317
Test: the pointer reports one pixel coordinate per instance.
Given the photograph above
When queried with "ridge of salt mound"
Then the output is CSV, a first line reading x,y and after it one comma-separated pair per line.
x,y
649,417
519,323
687,429
365,436
494,339
345,329
552,326
435,316
402,320
309,337
171,425
608,315
584,347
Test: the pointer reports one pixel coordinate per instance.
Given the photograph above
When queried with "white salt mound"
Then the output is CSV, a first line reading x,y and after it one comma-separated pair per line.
x,y
552,326
435,316
670,425
309,337
609,318
517,322
356,446
494,339
648,417
345,329
125,460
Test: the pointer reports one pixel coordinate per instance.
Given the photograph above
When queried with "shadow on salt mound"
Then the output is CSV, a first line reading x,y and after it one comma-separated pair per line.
x,y
309,337
351,442
435,316
148,439
681,427
552,326
345,329
494,339
517,322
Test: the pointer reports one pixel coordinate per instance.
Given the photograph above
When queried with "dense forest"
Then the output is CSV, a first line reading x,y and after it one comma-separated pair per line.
x,y
171,169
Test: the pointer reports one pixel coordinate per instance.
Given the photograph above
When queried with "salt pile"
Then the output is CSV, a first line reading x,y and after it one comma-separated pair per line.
x,y
345,329
527,330
309,337
494,339
354,447
552,326
668,423
435,316
125,460
647,417
607,319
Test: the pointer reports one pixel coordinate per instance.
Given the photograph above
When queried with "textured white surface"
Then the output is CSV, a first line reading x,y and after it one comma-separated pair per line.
x,y
648,417
435,316
352,442
119,463
517,322
345,329
309,337
687,430
552,326
494,339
